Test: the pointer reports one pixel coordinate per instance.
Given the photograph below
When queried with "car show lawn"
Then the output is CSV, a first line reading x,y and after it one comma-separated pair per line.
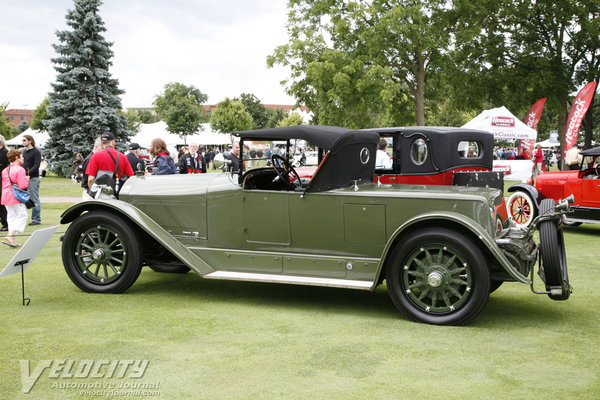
x,y
238,340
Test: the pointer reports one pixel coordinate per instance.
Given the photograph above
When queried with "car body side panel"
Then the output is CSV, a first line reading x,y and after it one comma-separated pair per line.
x,y
146,223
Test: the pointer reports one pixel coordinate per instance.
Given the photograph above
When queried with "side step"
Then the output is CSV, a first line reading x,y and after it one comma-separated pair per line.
x,y
290,279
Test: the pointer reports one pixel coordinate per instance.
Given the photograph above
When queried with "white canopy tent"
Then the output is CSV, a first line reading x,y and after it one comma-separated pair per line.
x,y
546,144
205,137
40,138
502,123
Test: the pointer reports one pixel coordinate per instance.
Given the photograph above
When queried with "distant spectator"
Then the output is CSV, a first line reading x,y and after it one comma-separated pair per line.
x,y
32,159
16,211
193,162
108,159
382,159
572,158
165,164
234,157
3,164
538,159
137,164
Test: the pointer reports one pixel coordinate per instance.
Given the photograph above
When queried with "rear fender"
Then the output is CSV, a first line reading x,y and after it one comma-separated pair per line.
x,y
480,236
144,222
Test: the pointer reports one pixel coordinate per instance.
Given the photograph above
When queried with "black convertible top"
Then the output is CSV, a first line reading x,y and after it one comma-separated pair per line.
x,y
591,152
351,154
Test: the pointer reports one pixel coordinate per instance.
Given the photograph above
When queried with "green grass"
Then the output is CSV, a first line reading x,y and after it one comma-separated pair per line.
x,y
56,186
209,339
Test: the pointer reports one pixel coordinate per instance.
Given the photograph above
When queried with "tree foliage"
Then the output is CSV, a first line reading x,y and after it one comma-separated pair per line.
x,y
133,120
23,126
180,106
40,115
259,113
274,116
85,98
5,129
528,50
230,116
356,62
291,120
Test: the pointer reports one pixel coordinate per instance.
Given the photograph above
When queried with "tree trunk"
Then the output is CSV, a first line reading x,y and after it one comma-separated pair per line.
x,y
588,124
420,97
562,127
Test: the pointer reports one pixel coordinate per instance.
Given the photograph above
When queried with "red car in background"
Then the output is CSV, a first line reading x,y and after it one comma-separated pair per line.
x,y
584,185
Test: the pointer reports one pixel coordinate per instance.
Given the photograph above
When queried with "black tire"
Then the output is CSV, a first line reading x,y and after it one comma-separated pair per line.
x,y
552,247
438,262
169,268
101,253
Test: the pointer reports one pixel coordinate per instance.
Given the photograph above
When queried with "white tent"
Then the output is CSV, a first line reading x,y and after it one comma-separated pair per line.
x,y
205,137
546,144
40,138
502,123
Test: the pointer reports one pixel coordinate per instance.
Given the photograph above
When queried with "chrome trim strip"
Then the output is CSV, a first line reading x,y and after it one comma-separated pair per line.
x,y
291,279
283,254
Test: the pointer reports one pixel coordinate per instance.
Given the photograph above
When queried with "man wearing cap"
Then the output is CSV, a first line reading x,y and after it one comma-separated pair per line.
x,y
108,159
137,164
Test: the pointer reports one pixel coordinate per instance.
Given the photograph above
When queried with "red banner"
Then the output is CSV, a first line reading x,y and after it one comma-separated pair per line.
x,y
578,109
531,120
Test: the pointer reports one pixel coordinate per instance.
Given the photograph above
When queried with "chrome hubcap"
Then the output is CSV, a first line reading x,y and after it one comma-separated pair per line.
x,y
98,254
435,279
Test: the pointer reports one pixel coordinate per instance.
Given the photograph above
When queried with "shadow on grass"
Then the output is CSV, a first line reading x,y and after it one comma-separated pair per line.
x,y
587,229
502,309
192,287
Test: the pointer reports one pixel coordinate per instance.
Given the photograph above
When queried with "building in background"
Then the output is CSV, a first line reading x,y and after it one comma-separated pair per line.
x,y
15,117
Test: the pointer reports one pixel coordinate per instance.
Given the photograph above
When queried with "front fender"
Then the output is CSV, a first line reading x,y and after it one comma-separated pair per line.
x,y
145,223
472,226
530,190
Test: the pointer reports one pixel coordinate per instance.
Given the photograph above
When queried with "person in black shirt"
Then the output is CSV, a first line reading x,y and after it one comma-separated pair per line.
x,y
3,164
134,159
192,162
234,156
33,158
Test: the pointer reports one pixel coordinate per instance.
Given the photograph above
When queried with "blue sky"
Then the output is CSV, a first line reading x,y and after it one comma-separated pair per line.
x,y
218,46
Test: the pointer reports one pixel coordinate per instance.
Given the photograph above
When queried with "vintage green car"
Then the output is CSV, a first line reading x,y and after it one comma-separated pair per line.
x,y
437,247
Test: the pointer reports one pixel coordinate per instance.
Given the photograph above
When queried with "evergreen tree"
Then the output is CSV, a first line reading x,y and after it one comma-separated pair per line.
x,y
85,98
23,126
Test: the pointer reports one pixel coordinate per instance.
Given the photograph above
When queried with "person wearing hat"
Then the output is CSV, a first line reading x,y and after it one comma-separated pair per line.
x,y
137,164
108,159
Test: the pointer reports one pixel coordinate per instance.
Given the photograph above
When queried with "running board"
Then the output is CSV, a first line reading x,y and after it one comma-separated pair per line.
x,y
290,279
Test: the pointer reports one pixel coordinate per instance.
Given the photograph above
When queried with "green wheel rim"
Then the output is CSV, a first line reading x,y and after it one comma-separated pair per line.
x,y
437,278
100,254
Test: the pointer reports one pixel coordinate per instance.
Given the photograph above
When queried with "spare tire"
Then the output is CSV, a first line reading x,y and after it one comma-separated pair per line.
x,y
552,248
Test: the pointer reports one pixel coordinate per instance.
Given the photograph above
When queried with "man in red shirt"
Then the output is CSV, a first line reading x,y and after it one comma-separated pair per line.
x,y
106,160
538,159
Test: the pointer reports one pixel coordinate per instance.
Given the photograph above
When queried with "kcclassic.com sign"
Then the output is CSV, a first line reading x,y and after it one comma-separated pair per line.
x,y
106,378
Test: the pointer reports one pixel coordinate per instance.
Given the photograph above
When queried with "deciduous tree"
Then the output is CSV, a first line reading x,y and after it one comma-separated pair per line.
x,y
180,106
230,116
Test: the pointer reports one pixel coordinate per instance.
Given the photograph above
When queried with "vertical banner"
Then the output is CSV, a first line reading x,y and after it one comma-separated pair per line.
x,y
531,120
578,109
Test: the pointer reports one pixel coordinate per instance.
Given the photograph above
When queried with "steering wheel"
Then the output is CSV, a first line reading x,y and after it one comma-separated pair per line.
x,y
284,169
